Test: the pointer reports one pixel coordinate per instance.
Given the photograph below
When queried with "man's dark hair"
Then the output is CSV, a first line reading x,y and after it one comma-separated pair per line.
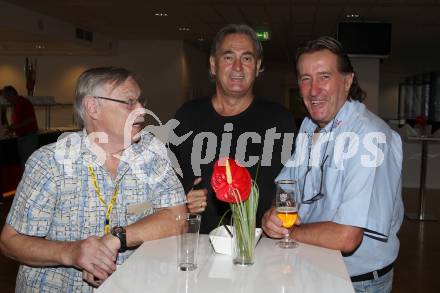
x,y
344,63
9,91
237,29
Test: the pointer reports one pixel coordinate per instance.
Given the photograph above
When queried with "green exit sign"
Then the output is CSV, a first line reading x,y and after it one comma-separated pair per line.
x,y
263,35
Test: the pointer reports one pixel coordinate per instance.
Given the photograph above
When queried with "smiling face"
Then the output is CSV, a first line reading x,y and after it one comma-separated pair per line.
x,y
235,66
323,88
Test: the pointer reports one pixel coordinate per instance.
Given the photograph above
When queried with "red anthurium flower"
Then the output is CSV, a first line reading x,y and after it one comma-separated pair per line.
x,y
230,181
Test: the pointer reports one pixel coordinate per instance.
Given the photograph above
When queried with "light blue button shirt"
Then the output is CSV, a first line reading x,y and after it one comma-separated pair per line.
x,y
361,181
56,200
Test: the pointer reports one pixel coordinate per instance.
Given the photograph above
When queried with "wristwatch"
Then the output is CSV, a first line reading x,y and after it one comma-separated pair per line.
x,y
119,232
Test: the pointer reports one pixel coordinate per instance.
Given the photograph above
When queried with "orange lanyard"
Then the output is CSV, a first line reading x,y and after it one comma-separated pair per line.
x,y
101,198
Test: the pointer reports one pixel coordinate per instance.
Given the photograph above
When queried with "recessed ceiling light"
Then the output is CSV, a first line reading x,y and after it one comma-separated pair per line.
x,y
352,15
160,14
38,46
184,29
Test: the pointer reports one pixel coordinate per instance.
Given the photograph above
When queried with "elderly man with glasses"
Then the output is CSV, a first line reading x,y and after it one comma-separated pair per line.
x,y
347,165
87,201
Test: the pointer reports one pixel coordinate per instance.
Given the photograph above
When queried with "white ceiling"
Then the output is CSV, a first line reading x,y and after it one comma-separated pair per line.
x,y
291,21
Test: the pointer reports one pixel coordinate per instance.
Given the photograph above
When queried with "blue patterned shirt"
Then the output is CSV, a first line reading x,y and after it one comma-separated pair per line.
x,y
56,200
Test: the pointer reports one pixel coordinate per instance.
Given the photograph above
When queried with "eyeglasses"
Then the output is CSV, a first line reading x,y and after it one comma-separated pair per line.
x,y
130,102
318,195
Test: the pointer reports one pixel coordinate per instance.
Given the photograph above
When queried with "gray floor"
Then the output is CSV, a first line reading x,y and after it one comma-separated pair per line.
x,y
416,268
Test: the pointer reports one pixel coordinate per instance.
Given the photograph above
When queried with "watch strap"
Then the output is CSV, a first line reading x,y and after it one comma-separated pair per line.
x,y
120,233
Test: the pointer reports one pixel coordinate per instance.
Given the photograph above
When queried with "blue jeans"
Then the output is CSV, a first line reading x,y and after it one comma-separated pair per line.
x,y
383,284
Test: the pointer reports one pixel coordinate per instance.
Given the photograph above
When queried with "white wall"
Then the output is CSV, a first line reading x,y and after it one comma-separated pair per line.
x,y
368,73
37,26
407,59
195,73
158,63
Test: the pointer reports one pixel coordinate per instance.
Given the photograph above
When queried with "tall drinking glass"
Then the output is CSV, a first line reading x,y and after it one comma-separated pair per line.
x,y
188,241
287,209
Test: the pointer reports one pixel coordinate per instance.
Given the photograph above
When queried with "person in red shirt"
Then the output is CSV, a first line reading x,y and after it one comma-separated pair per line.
x,y
23,123
23,119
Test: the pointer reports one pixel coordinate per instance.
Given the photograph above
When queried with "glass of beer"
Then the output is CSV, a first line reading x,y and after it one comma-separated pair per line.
x,y
287,209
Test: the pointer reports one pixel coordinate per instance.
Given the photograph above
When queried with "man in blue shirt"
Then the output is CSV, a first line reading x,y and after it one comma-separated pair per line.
x,y
347,167
87,201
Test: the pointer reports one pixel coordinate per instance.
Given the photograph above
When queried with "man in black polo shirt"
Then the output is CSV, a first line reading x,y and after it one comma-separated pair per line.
x,y
232,123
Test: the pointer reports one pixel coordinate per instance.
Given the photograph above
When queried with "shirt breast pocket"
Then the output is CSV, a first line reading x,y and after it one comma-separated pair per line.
x,y
332,188
137,211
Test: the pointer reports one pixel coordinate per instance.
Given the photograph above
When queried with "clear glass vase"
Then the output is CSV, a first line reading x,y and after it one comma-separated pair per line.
x,y
243,242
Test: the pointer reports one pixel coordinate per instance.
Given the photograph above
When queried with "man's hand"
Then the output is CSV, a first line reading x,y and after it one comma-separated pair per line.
x,y
272,225
91,279
93,256
196,198
113,244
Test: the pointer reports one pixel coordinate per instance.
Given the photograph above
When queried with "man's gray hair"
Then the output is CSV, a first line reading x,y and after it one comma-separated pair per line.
x,y
237,29
90,80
